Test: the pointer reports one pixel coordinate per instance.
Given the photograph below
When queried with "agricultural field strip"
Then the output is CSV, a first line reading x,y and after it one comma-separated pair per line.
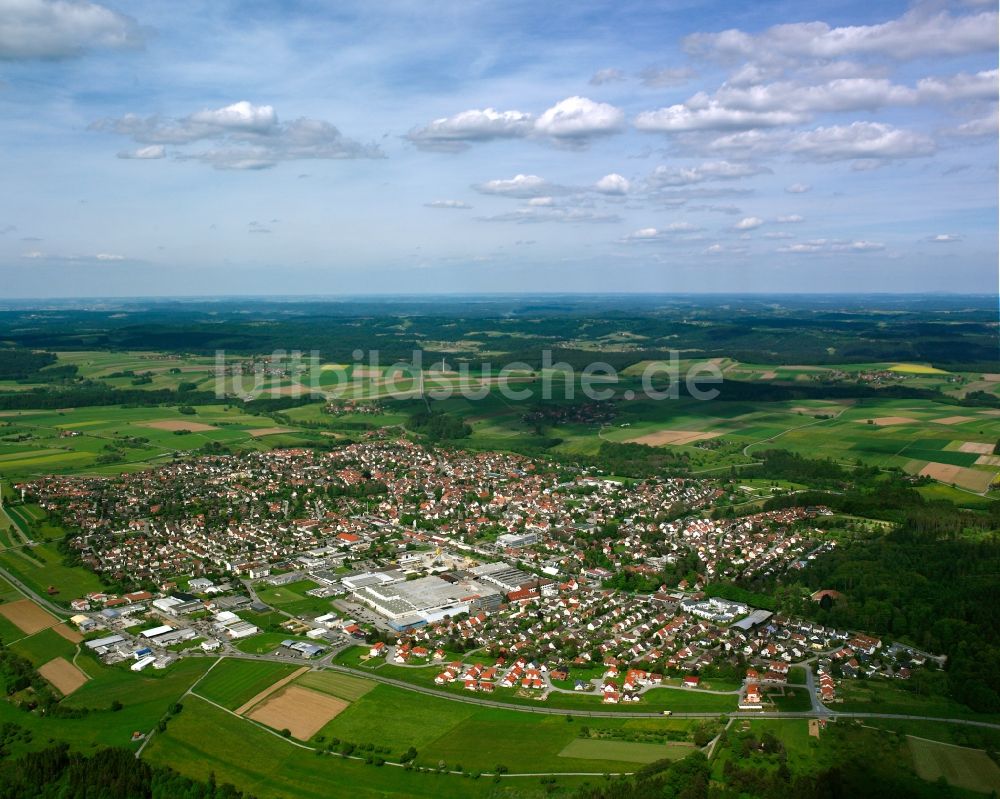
x,y
277,686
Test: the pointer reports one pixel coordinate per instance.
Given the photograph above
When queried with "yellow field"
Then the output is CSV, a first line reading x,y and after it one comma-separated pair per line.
x,y
916,369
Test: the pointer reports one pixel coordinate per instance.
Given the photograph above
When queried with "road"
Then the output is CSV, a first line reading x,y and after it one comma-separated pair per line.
x,y
62,613
822,711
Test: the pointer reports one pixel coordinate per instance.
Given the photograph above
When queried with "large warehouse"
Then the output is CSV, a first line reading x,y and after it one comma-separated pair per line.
x,y
415,602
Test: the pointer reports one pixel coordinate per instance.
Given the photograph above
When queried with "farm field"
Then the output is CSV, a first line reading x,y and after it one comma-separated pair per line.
x,y
205,740
624,751
234,682
144,698
971,769
303,712
63,675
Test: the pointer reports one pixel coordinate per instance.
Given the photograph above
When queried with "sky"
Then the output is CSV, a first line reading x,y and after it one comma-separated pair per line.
x,y
422,146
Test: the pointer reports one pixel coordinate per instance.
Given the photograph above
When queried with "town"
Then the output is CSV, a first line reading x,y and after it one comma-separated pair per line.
x,y
488,572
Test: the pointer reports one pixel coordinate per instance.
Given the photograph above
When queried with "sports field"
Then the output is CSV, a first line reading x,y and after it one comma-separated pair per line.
x,y
971,769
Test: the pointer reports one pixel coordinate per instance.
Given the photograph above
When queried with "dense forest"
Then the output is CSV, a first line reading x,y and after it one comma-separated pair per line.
x,y
957,332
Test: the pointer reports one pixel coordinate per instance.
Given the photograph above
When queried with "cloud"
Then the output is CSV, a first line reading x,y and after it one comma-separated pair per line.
x,y
749,223
257,227
791,219
826,246
722,249
571,122
702,113
519,186
535,214
711,170
648,234
151,152
448,204
798,188
916,34
944,238
612,184
579,118
860,140
451,134
53,29
609,75
976,128
245,136
101,257
541,202
666,77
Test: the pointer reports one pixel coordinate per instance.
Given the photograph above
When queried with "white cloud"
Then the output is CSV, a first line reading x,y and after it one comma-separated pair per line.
x,y
660,233
703,113
457,132
791,219
982,126
609,75
109,256
246,136
520,186
825,246
798,188
612,184
448,204
944,238
541,202
916,34
860,140
711,170
153,151
62,29
662,78
532,215
749,223
580,118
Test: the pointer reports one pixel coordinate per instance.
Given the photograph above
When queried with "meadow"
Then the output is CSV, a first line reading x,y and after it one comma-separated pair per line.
x,y
234,681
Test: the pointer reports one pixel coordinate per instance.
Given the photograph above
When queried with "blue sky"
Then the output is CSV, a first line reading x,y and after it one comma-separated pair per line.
x,y
321,148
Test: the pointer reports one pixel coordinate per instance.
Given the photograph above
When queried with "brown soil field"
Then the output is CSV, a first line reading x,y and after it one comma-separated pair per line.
x,y
179,424
988,460
769,375
972,479
954,419
270,690
990,412
27,615
302,711
992,378
662,437
269,431
976,446
885,421
365,371
71,635
63,675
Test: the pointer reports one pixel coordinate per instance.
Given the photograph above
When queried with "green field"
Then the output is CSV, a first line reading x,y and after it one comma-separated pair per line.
x,y
145,699
234,681
43,646
624,751
205,740
971,769
336,684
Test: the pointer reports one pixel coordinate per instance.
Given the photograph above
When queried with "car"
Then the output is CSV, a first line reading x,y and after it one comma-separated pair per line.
x,y
668,712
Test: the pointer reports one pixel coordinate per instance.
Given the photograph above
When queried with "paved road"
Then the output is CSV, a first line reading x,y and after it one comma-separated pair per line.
x,y
62,613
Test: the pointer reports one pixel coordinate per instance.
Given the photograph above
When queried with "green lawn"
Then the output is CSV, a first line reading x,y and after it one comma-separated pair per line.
x,y
336,684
